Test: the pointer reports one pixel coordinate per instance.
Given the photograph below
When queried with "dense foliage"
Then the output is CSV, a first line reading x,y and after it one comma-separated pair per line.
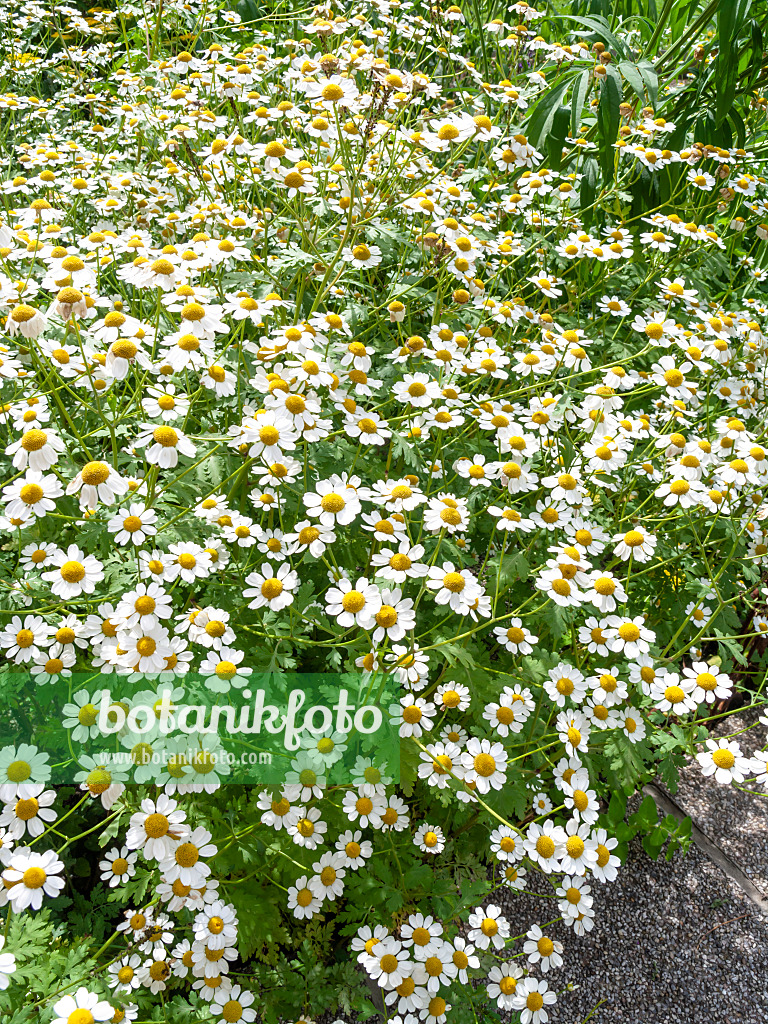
x,y
410,343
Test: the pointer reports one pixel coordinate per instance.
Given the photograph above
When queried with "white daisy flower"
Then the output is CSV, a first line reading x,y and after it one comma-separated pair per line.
x,y
722,758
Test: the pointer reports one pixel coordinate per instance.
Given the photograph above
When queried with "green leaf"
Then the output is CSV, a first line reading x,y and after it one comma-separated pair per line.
x,y
419,876
669,771
647,813
517,567
634,76
653,843
577,100
624,832
410,758
732,646
651,80
20,1016
259,917
472,892
556,136
609,113
588,190
29,934
730,17
600,28
294,256
404,452
394,901
111,829
543,113
617,808
456,652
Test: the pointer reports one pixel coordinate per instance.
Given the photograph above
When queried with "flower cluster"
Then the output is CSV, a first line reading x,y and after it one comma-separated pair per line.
x,y
313,360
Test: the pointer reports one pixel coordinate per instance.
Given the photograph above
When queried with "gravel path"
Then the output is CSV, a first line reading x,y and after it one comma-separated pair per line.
x,y
736,822
673,943
678,942
661,951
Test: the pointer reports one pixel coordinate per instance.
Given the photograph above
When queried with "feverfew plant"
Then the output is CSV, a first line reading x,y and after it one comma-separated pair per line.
x,y
422,346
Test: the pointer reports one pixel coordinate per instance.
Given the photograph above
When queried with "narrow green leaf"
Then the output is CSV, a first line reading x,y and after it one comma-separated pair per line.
x,y
651,80
738,123
609,117
633,75
599,27
556,136
588,189
730,17
577,100
543,113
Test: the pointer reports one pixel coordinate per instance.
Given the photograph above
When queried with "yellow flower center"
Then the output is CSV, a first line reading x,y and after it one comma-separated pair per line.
x,y
30,494
159,970
332,503
545,847
22,314
484,765
679,487
448,133
18,771
353,601
232,1010
26,809
34,878
386,616
269,435
402,491
304,897
193,311
604,586
95,473
72,571
80,1016
454,582
25,638
87,715
580,800
629,631
388,963
156,825
450,516
187,855
146,646
33,440
271,588
124,349
723,758
166,437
